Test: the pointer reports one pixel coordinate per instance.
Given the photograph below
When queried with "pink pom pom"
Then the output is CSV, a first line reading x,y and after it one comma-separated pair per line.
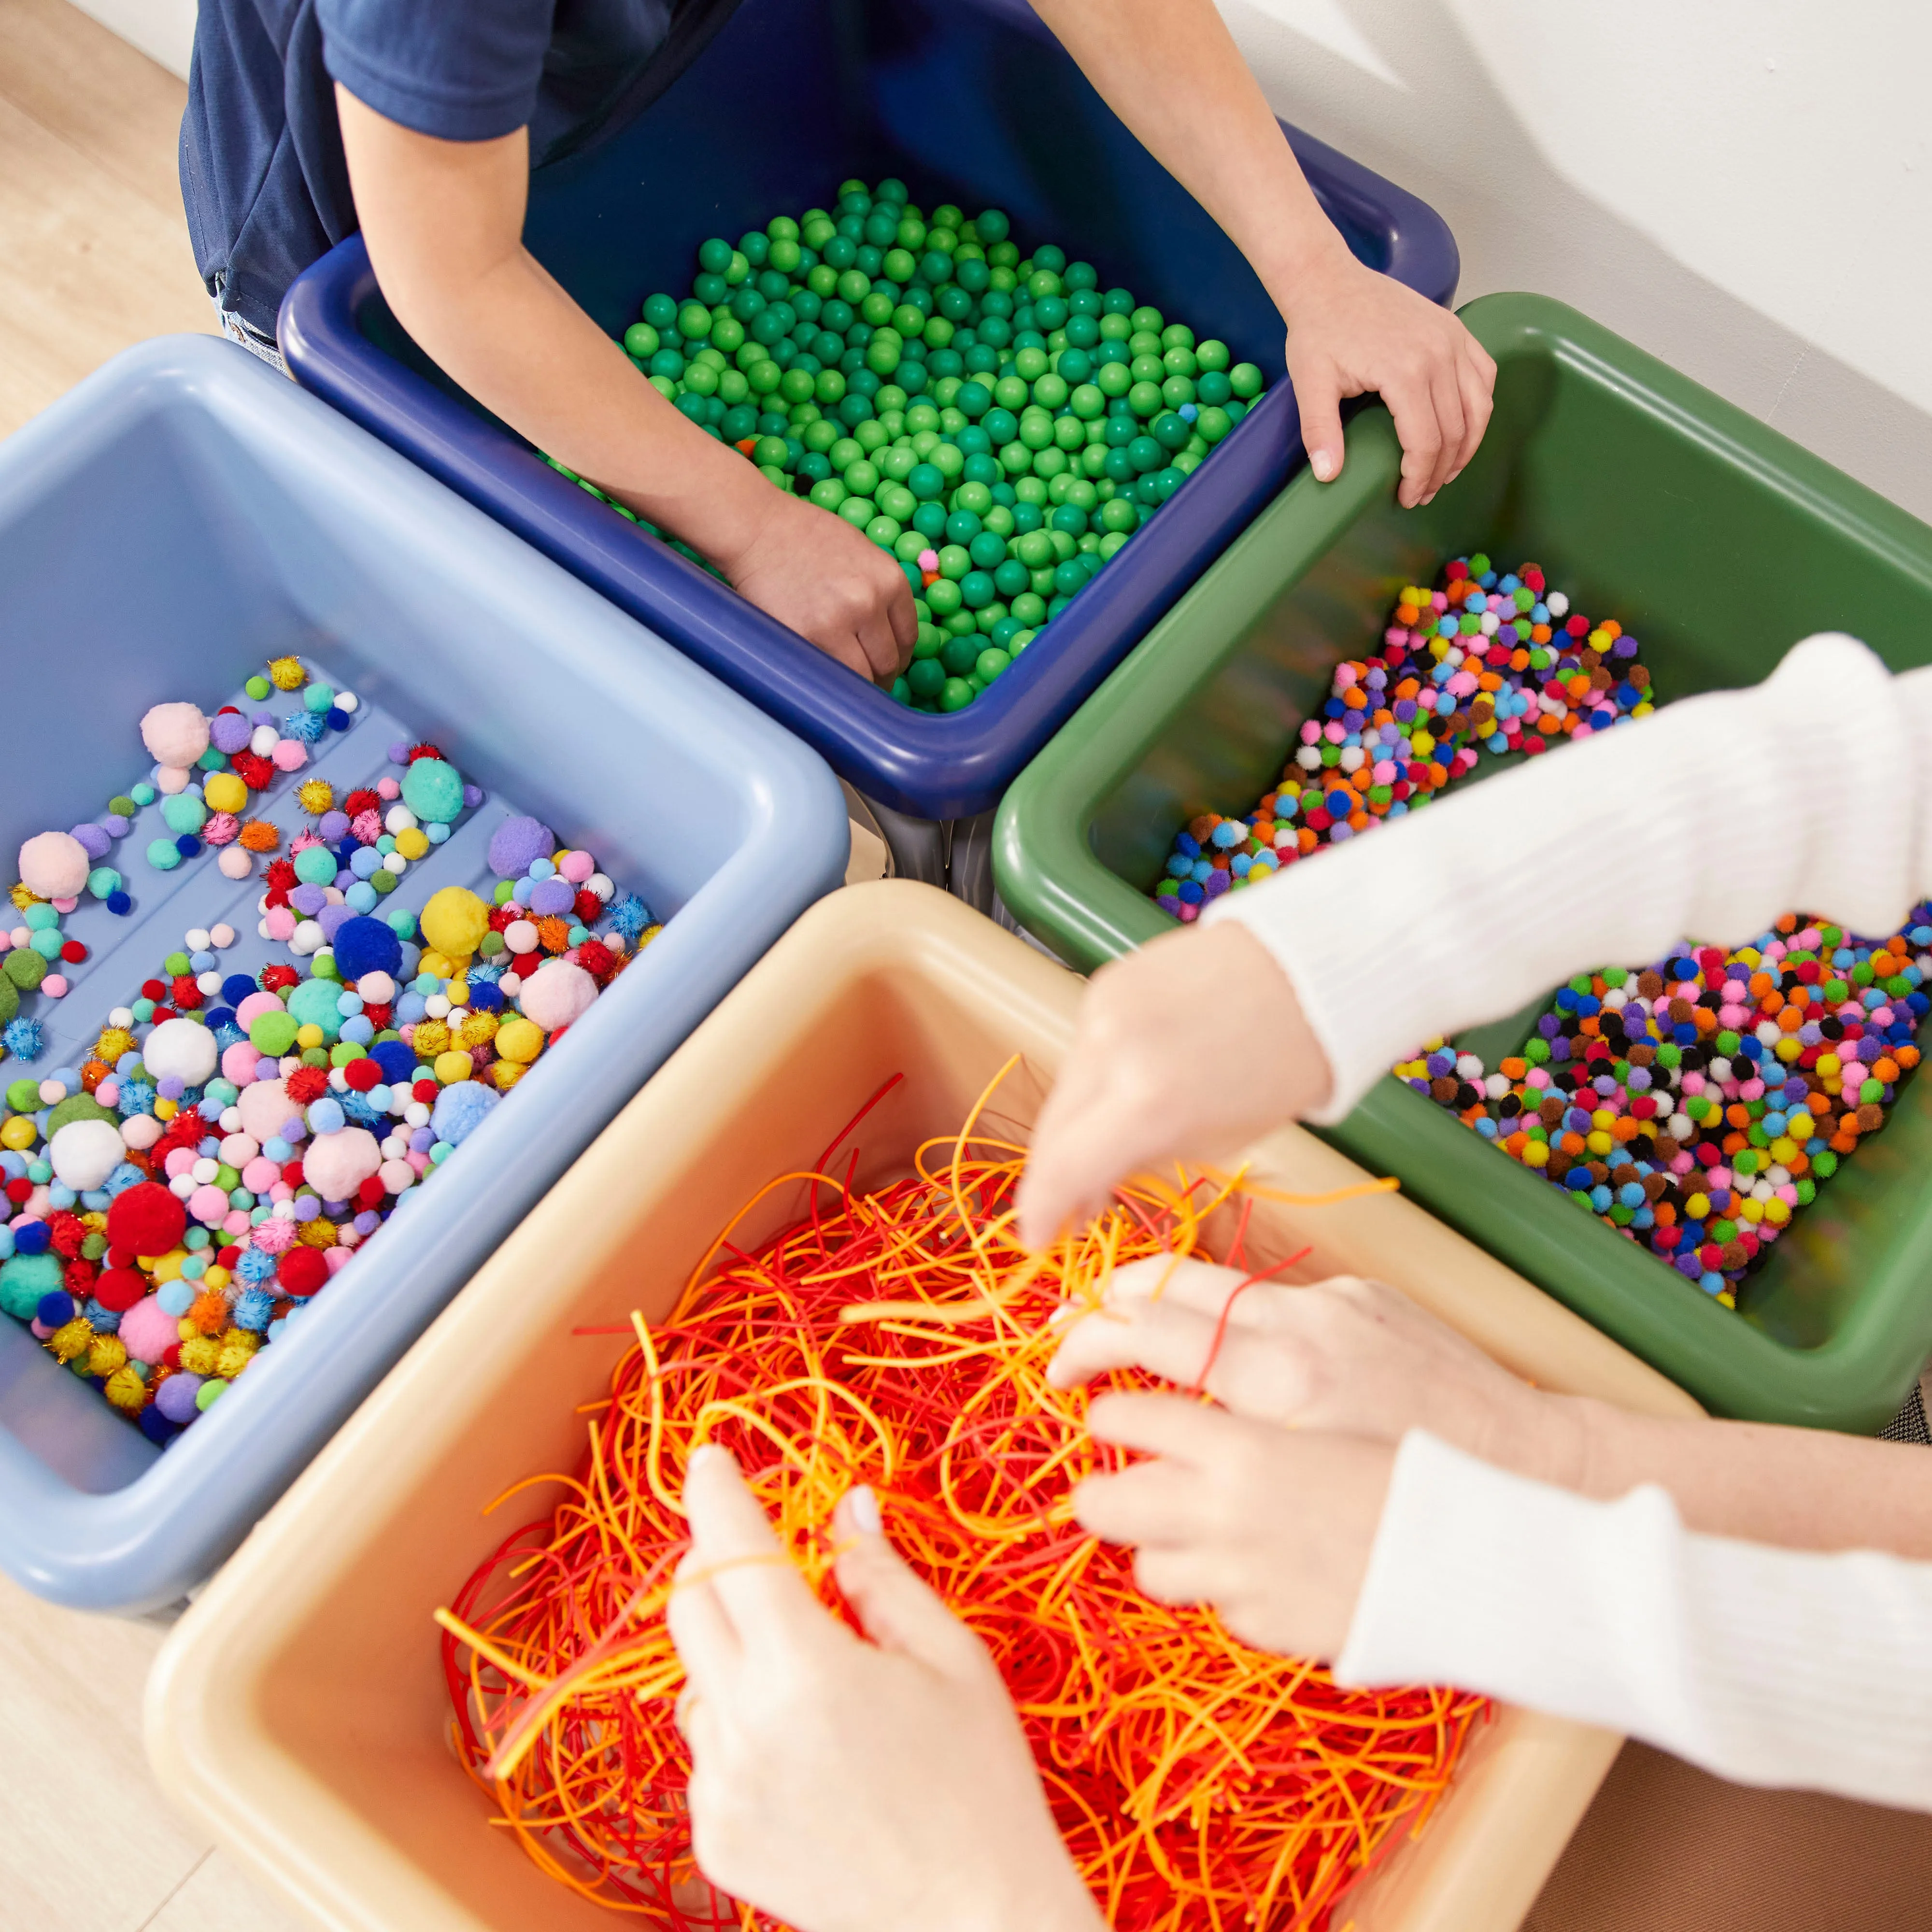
x,y
148,1331
388,788
265,1108
275,1236
337,1259
179,1161
171,779
55,985
259,1175
367,827
140,1131
397,1175
175,734
239,1063
280,923
235,862
237,1223
290,754
208,1205
221,829
577,867
54,864
336,1164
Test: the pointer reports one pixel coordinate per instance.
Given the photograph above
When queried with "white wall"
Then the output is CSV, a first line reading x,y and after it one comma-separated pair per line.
x,y
1744,187
163,29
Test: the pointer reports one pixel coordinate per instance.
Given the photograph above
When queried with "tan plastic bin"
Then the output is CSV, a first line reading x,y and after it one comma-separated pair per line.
x,y
298,1711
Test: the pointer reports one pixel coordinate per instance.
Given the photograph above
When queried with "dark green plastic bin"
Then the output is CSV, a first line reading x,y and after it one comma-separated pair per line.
x,y
1719,544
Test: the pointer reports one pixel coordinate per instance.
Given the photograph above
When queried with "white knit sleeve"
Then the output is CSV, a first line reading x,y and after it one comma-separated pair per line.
x,y
1766,1665
1811,792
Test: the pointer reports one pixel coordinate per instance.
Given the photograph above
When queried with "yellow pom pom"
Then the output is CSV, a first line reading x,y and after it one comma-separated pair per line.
x,y
223,791
433,963
650,933
164,1267
431,1037
309,1035
217,1276
458,991
71,1339
286,674
451,1066
200,1356
105,1353
18,1133
413,842
478,1029
316,797
504,1074
22,899
126,1390
166,1110
520,1039
113,1043
318,1233
454,921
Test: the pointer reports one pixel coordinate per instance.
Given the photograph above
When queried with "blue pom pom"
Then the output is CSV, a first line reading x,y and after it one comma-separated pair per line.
x,y
119,903
125,1176
628,915
106,1320
459,1111
236,988
485,998
253,1308
305,726
21,1037
364,945
398,1062
55,1309
33,1239
338,718
254,1264
187,845
137,1097
360,1111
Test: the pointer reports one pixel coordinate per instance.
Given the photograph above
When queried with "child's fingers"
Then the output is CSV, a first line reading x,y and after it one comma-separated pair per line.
x,y
1177,1426
897,1608
1155,1505
734,1549
1163,1337
1412,405
707,1643
1318,394
1446,399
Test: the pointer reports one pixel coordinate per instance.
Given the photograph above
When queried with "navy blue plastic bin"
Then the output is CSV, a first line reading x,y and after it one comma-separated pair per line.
x,y
967,100
182,515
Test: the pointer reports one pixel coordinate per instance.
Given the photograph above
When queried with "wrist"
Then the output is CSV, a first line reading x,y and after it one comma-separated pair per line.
x,y
1557,1439
721,503
1303,269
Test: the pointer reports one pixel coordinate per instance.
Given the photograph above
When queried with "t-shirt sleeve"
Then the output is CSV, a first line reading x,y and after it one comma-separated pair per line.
x,y
460,70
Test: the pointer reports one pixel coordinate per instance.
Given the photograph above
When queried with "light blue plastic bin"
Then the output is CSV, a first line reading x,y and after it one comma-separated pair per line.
x,y
182,515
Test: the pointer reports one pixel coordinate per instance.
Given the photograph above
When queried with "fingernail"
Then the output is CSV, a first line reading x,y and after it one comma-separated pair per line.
x,y
1323,464
708,1452
863,1507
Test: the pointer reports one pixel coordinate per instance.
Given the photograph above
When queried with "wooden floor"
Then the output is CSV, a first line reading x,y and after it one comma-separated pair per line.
x,y
94,255
94,249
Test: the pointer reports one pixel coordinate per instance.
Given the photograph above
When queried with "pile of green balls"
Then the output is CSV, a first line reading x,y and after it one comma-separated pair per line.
x,y
998,423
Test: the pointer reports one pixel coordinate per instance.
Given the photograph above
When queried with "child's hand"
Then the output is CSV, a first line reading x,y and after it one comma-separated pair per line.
x,y
1350,330
844,1786
1194,1045
1351,1356
831,584
1272,1527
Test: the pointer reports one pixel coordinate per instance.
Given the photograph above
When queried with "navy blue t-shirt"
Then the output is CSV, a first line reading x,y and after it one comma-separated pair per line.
x,y
263,173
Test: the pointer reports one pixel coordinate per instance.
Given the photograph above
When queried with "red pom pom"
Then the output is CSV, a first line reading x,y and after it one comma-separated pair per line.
x,y
363,1074
372,1193
302,1271
154,989
503,916
17,1191
253,770
281,873
1578,626
73,952
425,1091
120,1288
596,958
279,978
306,1083
77,1278
378,1017
171,1356
423,751
66,1230
161,1013
146,1220
228,1258
292,1174
357,803
590,907
187,994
